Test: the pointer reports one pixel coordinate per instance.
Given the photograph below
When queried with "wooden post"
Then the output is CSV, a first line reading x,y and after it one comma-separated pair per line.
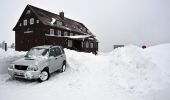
x,y
5,46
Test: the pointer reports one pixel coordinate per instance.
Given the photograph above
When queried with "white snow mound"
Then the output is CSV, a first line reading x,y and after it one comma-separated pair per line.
x,y
127,73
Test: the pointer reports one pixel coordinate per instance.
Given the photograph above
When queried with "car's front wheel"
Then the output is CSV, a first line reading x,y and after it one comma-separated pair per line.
x,y
44,75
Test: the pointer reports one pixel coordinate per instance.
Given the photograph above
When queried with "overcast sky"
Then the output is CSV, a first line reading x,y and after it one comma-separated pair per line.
x,y
139,22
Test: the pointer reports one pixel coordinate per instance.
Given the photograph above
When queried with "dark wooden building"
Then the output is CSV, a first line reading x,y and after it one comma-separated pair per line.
x,y
40,27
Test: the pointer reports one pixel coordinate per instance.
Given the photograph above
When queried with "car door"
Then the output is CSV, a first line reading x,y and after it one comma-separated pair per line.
x,y
52,60
59,57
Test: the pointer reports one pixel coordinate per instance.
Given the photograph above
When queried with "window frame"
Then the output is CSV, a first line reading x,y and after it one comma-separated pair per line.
x,y
65,33
82,44
71,34
51,31
87,44
38,21
91,45
31,21
20,24
25,22
59,23
28,12
59,32
70,43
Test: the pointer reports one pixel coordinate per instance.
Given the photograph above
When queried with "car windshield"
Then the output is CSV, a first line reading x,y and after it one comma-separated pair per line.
x,y
36,52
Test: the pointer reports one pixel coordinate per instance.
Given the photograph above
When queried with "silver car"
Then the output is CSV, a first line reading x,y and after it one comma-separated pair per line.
x,y
39,63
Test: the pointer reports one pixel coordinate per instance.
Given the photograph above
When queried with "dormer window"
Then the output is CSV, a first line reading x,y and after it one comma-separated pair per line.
x,y
88,31
25,22
52,32
28,11
38,21
59,23
31,21
84,29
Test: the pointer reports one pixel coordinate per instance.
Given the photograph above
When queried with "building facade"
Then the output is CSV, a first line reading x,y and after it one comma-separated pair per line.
x,y
38,27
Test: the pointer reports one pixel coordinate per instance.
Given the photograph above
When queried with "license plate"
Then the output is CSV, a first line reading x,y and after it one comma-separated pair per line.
x,y
18,73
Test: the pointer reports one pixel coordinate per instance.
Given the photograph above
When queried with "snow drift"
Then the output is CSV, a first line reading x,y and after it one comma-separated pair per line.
x,y
7,57
127,73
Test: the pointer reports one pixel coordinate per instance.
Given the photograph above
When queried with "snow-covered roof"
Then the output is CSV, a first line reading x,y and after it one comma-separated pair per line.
x,y
49,19
79,36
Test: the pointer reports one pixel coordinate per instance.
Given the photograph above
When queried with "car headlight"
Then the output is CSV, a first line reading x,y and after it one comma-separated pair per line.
x,y
32,68
12,66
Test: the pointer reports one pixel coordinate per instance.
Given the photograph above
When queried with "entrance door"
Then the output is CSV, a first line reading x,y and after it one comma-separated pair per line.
x,y
77,45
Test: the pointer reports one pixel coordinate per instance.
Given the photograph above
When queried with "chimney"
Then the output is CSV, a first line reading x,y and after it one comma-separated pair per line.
x,y
61,15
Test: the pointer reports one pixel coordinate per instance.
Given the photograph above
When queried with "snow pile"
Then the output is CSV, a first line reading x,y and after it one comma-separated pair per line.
x,y
161,58
127,73
135,73
7,57
53,21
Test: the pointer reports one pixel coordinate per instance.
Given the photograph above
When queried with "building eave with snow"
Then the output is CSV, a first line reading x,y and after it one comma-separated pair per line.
x,y
40,27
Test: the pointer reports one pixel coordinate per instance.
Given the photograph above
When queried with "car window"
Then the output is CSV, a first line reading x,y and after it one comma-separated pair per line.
x,y
36,52
62,50
58,51
52,52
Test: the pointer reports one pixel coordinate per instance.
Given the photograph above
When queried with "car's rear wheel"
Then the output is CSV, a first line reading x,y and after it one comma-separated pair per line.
x,y
63,67
44,75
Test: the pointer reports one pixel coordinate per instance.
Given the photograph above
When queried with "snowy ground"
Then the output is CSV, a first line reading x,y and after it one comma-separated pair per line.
x,y
128,73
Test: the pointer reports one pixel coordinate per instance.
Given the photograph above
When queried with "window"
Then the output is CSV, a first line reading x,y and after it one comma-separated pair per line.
x,y
31,21
82,44
87,44
20,24
37,52
28,12
62,49
91,45
58,51
52,52
38,21
71,34
51,31
84,29
25,22
65,33
59,32
69,43
59,23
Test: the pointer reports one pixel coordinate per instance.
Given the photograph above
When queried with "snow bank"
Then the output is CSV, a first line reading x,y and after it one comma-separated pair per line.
x,y
160,56
127,73
7,57
134,71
